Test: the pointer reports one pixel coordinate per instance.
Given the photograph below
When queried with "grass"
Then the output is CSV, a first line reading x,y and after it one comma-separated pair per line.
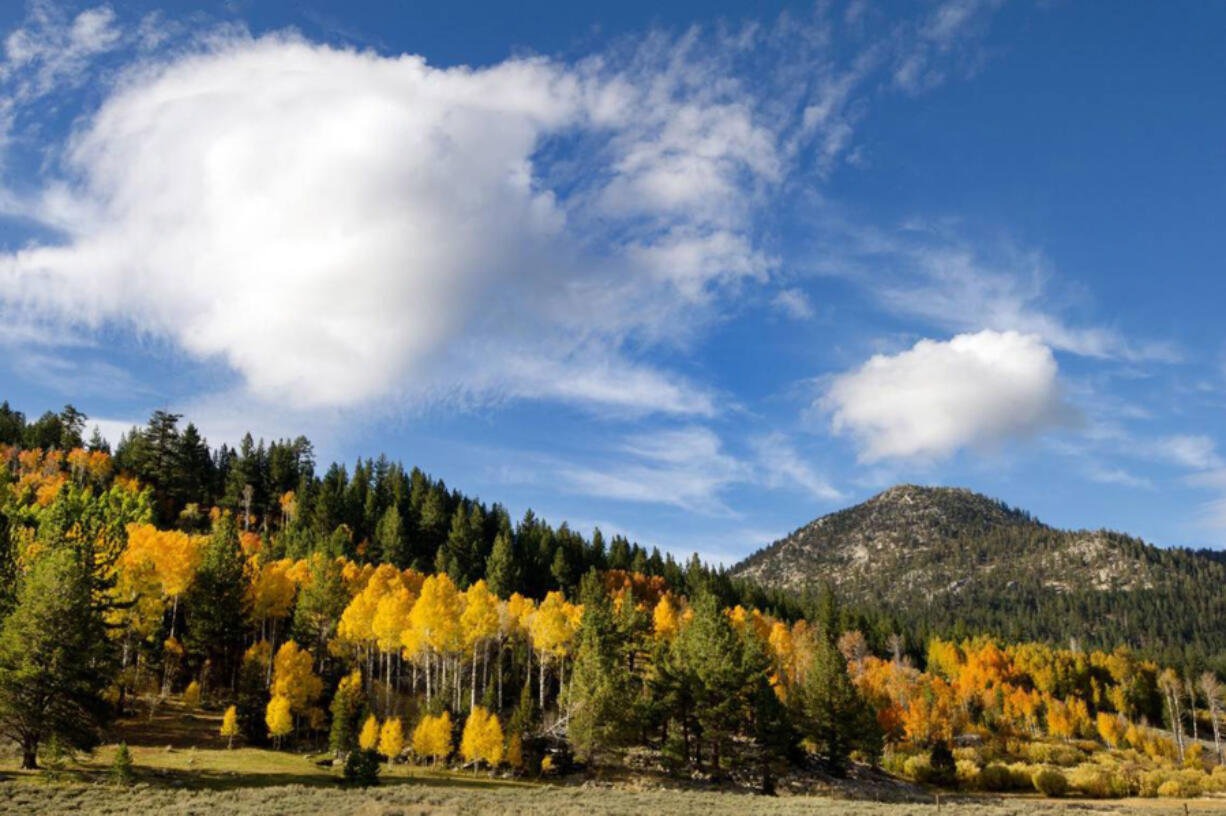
x,y
183,767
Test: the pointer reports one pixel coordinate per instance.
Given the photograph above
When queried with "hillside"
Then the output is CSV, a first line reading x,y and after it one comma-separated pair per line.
x,y
953,556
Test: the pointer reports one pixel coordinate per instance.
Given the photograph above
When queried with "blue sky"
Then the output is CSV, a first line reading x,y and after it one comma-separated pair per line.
x,y
695,273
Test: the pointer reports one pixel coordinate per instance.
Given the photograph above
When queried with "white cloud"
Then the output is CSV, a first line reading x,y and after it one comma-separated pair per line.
x,y
794,303
684,467
342,227
924,271
927,402
782,467
50,49
1191,451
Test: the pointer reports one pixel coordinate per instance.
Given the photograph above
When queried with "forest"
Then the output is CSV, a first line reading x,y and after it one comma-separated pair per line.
x,y
386,618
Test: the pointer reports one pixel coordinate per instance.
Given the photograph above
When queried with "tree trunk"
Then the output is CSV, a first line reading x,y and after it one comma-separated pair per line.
x,y
29,754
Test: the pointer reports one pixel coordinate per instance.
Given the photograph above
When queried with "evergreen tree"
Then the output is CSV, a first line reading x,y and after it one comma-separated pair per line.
x,y
832,713
600,684
501,568
53,659
390,545
216,603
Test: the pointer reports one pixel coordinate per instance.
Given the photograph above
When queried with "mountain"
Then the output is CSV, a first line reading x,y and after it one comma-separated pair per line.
x,y
952,558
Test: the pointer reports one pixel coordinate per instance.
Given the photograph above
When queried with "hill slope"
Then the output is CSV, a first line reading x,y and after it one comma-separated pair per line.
x,y
956,558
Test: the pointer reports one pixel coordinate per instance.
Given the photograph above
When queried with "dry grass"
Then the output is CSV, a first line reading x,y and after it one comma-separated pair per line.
x,y
425,796
182,768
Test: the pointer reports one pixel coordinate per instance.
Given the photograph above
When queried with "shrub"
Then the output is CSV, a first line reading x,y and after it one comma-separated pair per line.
x,y
1097,782
191,695
917,767
121,768
996,778
944,766
1151,781
1050,782
1169,789
967,772
1048,753
362,767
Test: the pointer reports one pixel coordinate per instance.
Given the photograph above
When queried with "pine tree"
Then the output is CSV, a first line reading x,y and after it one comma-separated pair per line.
x,y
600,682
832,713
216,604
346,707
53,659
501,568
390,544
121,767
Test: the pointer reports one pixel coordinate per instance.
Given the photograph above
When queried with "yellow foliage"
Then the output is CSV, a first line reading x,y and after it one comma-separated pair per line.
x,y
229,723
191,695
278,717
432,736
391,738
664,618
293,678
368,737
482,738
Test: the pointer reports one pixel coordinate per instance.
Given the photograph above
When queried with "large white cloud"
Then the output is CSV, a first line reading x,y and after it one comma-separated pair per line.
x,y
339,227
974,390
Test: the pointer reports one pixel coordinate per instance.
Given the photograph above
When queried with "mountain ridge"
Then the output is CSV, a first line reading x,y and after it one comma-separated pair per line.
x,y
935,541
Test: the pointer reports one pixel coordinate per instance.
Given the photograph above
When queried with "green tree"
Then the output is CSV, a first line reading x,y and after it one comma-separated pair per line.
x,y
54,661
390,544
501,568
831,712
216,603
601,683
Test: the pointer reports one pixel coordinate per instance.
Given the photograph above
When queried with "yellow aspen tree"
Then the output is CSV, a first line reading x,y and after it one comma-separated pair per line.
x,y
278,718
482,740
191,695
391,739
432,737
664,619
368,738
478,623
293,677
229,725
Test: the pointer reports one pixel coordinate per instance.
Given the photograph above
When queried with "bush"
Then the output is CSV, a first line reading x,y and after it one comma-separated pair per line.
x,y
1097,782
121,768
362,768
996,778
944,766
1169,789
1048,753
1151,781
1050,782
968,772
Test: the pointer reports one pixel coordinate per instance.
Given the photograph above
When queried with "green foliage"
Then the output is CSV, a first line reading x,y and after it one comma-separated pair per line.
x,y
216,603
54,658
943,767
600,690
121,766
1050,782
830,711
362,768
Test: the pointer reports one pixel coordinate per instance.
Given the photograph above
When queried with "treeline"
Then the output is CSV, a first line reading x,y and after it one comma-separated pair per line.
x,y
127,593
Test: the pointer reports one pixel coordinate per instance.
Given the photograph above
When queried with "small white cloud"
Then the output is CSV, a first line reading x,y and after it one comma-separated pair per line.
x,y
929,401
1113,475
782,467
1190,451
685,467
794,303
